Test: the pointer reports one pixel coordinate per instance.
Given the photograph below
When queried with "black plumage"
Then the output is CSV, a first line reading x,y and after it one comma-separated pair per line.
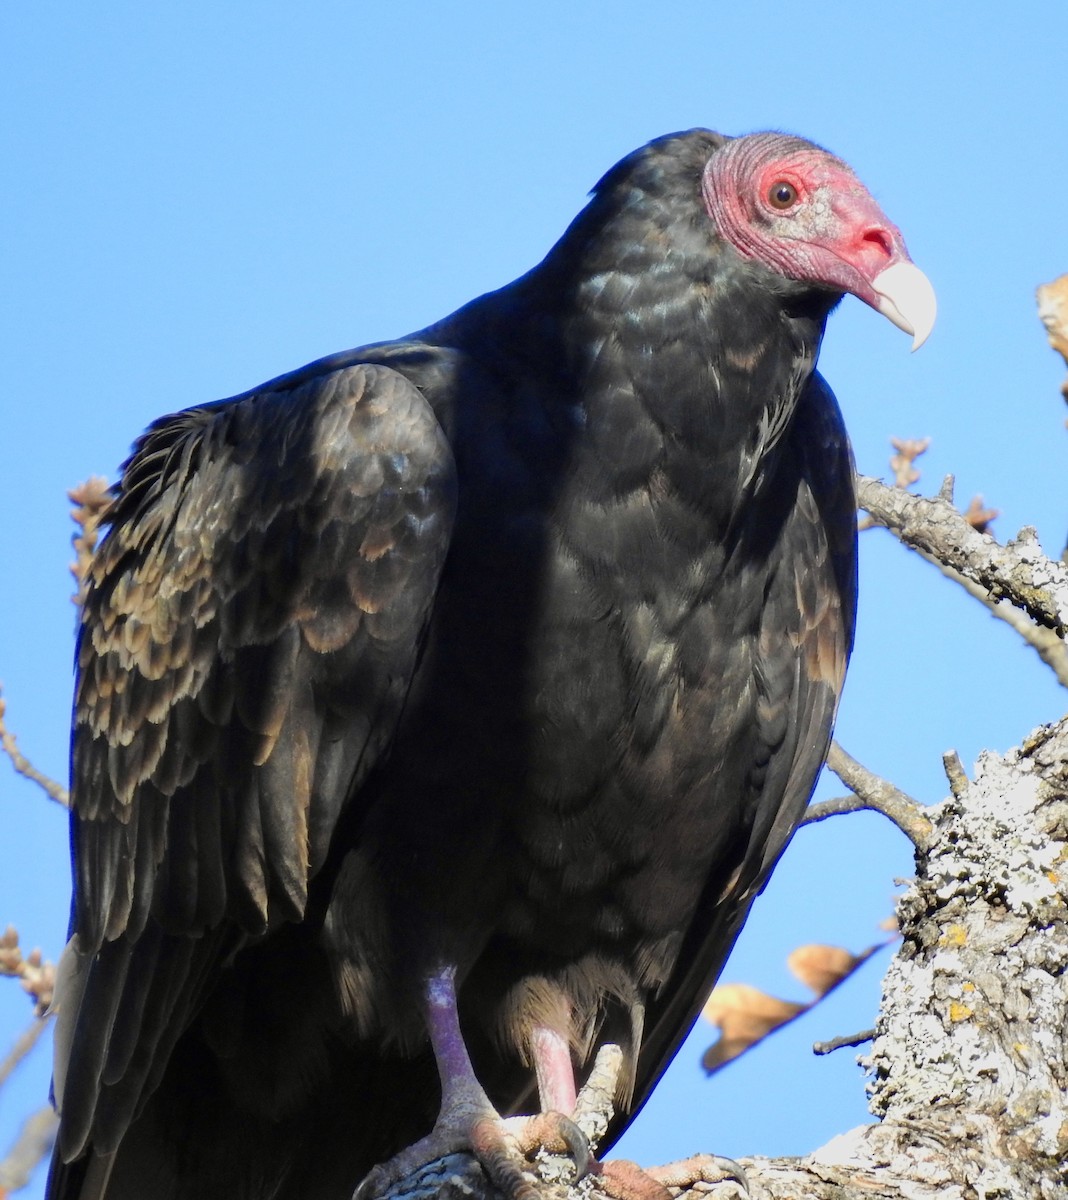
x,y
509,649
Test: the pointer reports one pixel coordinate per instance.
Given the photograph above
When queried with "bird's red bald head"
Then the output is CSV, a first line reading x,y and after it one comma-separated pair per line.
x,y
803,213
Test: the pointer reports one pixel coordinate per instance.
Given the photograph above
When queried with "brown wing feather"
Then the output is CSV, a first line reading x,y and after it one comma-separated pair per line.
x,y
251,625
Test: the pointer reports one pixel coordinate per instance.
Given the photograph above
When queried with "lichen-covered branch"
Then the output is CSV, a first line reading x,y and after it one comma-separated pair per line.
x,y
1047,644
970,1037
970,1065
1018,571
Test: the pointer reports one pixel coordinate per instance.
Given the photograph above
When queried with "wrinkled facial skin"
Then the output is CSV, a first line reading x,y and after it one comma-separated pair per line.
x,y
804,214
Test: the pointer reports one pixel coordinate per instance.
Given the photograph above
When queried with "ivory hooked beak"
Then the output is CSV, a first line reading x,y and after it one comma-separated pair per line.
x,y
907,298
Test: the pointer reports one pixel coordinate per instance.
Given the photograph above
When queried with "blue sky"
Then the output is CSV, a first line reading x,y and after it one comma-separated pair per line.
x,y
197,197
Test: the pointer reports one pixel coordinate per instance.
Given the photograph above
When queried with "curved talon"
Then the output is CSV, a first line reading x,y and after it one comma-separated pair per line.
x,y
555,1132
366,1189
498,1150
578,1147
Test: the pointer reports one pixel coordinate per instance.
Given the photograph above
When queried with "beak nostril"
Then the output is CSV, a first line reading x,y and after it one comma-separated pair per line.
x,y
879,237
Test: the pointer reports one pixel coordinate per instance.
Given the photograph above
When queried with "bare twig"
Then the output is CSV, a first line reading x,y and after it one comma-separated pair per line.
x,y
23,766
903,465
32,1145
870,791
22,1046
38,977
1019,571
955,773
840,1043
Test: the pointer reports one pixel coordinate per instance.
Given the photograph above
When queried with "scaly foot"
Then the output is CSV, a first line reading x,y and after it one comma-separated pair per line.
x,y
502,1146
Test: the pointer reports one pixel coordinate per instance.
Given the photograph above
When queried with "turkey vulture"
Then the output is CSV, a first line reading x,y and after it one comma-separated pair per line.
x,y
442,705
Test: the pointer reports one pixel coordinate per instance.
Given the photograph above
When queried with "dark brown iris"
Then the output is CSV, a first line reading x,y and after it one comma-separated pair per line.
x,y
782,194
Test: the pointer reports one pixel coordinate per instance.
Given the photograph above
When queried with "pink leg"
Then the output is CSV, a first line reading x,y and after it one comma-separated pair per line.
x,y
556,1075
467,1120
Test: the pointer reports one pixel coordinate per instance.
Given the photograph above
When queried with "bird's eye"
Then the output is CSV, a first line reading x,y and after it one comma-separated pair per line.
x,y
782,194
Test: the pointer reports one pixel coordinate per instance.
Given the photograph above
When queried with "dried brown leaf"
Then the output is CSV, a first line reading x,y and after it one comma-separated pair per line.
x,y
977,516
743,1015
820,968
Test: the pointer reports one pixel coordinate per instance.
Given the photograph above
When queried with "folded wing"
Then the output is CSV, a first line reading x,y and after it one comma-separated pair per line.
x,y
252,623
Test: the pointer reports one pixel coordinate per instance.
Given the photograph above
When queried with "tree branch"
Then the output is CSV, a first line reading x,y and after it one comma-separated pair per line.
x,y
1018,572
23,766
840,1043
1049,646
23,1044
870,791
38,977
33,1144
91,501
